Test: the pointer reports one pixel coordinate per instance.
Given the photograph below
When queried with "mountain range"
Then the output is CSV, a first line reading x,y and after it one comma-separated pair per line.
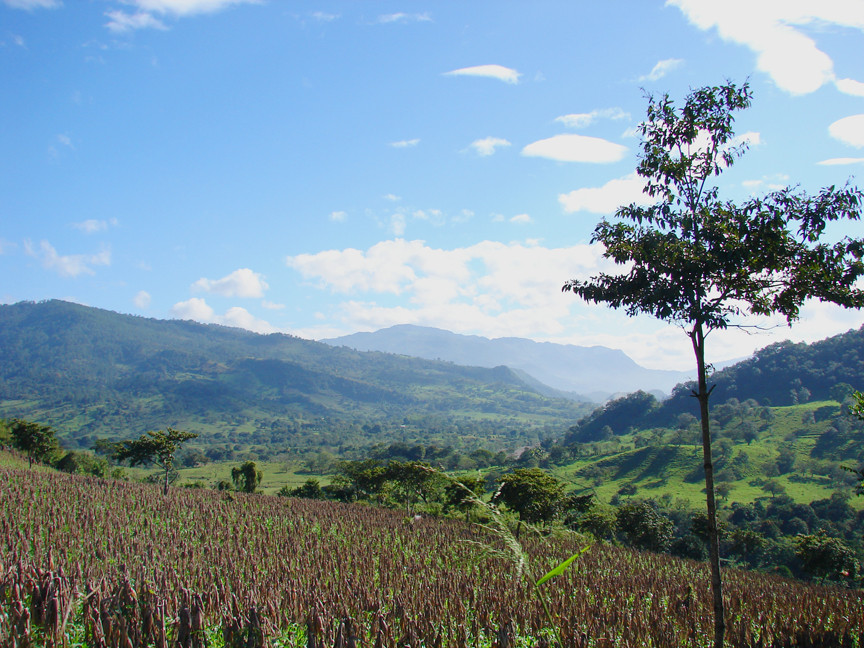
x,y
594,372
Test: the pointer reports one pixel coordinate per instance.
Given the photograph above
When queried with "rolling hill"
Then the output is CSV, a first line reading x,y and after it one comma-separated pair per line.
x,y
95,373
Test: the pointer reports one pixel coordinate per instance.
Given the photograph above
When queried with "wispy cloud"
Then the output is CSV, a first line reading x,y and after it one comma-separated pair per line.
x,y
338,216
522,219
144,15
120,22
91,225
33,4
486,146
240,283
662,68
70,265
576,148
325,17
840,161
400,17
507,75
581,120
405,143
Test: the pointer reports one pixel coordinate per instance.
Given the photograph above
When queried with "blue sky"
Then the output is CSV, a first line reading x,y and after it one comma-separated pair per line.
x,y
321,168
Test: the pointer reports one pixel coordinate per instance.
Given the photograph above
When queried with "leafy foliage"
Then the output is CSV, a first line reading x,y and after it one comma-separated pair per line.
x,y
159,448
35,440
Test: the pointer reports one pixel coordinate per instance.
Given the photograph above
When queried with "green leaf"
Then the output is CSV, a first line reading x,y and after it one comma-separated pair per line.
x,y
561,568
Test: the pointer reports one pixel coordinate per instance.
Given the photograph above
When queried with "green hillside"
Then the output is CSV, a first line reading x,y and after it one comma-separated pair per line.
x,y
93,373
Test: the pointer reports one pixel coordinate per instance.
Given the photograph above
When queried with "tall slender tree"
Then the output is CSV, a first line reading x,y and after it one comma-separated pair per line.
x,y
701,262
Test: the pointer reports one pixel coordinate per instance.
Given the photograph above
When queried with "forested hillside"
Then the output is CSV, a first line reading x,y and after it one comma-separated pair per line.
x,y
94,373
781,374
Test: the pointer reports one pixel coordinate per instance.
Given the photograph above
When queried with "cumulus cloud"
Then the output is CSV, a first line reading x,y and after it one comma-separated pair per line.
x,y
507,75
405,143
142,299
240,283
338,216
486,146
608,198
200,311
511,289
850,87
33,4
522,219
576,148
581,120
662,68
69,265
849,130
772,30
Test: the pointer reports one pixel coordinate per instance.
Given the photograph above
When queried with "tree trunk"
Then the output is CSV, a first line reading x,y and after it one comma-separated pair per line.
x,y
165,485
702,394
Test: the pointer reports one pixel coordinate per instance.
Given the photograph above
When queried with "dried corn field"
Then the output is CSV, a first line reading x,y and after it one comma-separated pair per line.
x,y
116,564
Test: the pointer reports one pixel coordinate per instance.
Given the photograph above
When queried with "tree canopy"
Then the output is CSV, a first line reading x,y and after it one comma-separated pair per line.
x,y
159,448
35,440
702,262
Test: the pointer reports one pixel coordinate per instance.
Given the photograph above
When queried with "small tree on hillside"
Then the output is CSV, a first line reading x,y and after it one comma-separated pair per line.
x,y
37,441
246,477
158,448
699,262
532,493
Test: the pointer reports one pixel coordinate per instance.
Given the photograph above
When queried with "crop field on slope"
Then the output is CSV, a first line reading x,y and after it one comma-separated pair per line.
x,y
115,563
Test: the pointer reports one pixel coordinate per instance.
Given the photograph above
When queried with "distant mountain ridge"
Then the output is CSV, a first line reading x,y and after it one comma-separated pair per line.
x,y
595,372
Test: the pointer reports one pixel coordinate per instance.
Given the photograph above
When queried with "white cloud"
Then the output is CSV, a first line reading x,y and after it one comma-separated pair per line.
x,y
404,18
70,265
240,283
576,148
522,219
850,87
581,120
507,75
193,309
142,299
392,197
272,305
839,161
91,225
120,21
662,68
200,311
33,4
325,17
485,147
508,289
849,130
405,143
771,29
608,198
186,7
397,224
338,216
65,140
